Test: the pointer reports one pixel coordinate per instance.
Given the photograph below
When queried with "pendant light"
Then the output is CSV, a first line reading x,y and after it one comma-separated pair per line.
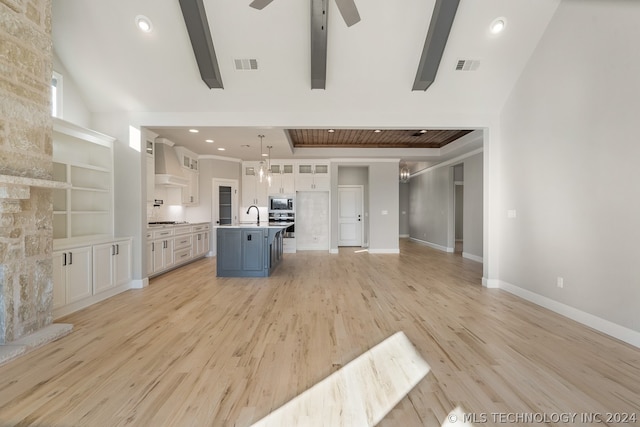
x,y
269,174
261,166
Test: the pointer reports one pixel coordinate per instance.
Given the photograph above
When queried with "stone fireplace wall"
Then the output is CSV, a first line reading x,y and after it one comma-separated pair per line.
x,y
26,237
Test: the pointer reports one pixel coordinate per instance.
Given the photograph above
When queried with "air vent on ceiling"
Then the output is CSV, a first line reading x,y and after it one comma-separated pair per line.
x,y
467,65
246,64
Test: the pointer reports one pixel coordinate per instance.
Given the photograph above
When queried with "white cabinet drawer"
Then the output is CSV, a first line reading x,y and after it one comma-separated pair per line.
x,y
182,242
181,230
182,255
159,234
201,227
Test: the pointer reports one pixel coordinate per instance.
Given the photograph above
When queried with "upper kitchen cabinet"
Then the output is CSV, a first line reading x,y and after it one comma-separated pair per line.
x,y
84,159
312,176
254,191
149,138
189,163
283,178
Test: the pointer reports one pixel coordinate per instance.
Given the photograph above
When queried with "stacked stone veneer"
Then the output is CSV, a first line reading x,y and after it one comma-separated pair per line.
x,y
26,237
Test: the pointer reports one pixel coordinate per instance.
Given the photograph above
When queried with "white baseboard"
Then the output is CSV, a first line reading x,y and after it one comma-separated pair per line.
x,y
617,331
140,283
432,245
472,257
79,305
490,283
384,251
333,251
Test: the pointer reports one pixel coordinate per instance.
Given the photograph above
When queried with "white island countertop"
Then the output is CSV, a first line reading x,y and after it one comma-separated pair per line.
x,y
262,224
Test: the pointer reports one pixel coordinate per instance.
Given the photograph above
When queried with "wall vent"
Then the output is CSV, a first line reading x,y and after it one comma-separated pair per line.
x,y
246,64
467,65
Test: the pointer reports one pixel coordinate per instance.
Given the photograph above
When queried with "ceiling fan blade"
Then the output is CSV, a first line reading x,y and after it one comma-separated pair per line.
x,y
349,11
260,4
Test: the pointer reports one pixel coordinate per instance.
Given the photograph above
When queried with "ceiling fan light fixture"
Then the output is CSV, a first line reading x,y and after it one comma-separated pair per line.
x,y
498,25
144,24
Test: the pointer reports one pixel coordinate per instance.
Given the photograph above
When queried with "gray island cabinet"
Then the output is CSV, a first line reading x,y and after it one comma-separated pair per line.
x,y
249,250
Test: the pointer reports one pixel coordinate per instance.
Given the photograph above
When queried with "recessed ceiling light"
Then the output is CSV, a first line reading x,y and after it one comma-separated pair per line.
x,y
423,131
210,141
143,23
264,154
194,130
220,149
331,131
377,131
498,25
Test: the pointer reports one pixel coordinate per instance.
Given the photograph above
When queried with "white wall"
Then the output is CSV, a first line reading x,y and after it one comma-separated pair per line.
x,y
74,108
569,152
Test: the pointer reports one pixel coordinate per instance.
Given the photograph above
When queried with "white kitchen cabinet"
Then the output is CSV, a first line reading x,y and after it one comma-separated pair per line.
x,y
162,250
200,239
72,275
188,159
283,179
84,159
312,176
172,246
254,192
190,196
111,265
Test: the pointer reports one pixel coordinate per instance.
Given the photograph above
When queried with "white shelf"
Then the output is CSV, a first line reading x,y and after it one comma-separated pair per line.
x,y
83,162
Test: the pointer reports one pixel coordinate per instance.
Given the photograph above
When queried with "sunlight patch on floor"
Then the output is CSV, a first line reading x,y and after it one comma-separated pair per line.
x,y
359,394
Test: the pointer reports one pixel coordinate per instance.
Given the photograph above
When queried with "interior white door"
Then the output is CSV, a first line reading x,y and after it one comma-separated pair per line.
x,y
350,215
225,202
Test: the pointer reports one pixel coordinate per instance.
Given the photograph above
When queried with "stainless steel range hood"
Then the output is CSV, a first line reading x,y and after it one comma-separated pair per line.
x,y
168,170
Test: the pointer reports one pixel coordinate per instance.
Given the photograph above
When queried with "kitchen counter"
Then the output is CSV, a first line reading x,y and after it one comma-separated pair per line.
x,y
274,225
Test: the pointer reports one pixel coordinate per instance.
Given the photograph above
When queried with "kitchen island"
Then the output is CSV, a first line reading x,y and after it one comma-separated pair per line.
x,y
249,250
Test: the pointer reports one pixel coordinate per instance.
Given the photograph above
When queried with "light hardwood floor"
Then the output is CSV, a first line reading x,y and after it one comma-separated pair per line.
x,y
194,350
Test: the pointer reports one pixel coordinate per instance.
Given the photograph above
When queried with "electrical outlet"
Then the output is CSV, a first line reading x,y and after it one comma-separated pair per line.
x,y
560,282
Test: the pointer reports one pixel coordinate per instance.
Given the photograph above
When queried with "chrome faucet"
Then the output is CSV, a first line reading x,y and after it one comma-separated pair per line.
x,y
257,210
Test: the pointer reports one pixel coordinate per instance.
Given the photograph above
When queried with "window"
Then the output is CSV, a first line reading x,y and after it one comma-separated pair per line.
x,y
56,95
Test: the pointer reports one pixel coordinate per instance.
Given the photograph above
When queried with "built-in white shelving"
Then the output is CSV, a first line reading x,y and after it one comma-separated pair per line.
x,y
83,159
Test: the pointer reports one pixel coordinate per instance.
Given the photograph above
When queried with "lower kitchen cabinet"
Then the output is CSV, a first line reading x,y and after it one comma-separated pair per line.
x,y
72,276
111,265
172,246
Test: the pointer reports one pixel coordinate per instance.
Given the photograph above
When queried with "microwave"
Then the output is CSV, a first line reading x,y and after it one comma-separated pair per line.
x,y
279,203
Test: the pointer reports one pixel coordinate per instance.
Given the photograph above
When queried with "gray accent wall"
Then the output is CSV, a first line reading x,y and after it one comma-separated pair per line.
x,y
472,228
383,197
431,207
403,209
568,143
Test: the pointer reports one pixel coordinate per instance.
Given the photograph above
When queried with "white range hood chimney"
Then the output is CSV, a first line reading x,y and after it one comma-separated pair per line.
x,y
168,170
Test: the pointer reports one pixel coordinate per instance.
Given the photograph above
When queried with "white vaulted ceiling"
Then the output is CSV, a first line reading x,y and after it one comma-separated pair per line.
x,y
371,66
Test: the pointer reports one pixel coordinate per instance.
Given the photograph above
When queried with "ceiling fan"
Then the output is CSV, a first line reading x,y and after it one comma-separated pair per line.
x,y
347,9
